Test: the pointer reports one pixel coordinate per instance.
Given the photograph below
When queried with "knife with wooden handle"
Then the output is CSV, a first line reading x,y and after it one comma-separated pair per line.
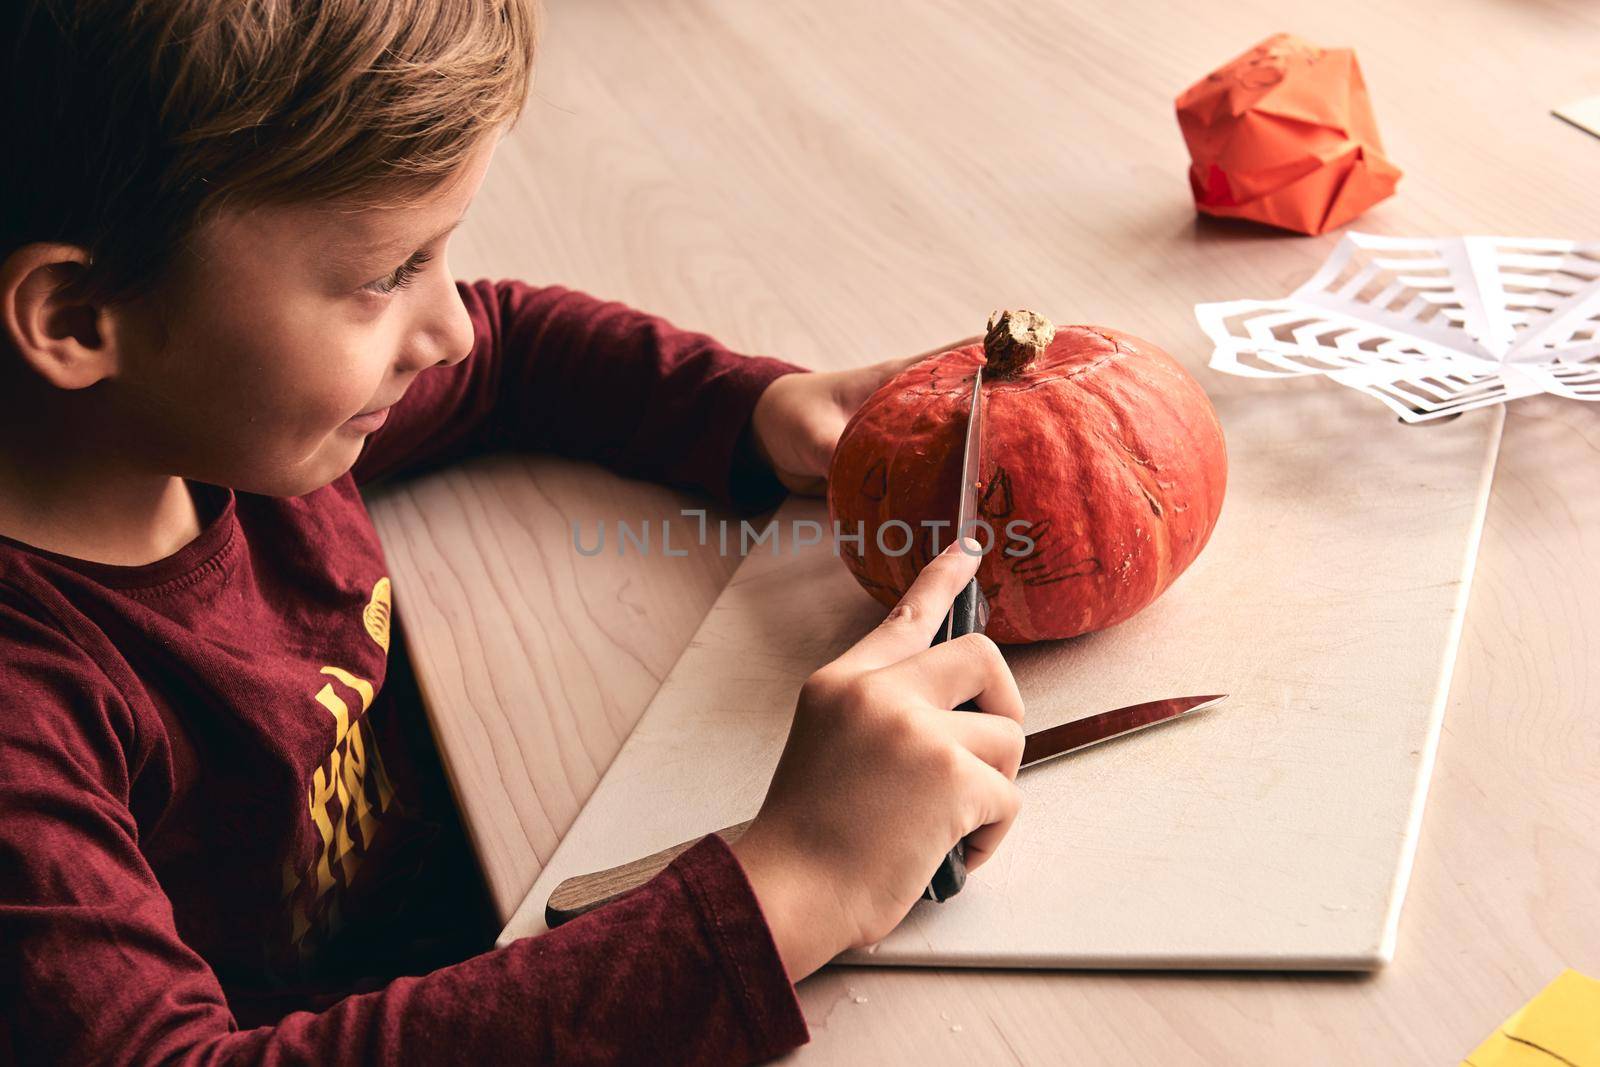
x,y
584,893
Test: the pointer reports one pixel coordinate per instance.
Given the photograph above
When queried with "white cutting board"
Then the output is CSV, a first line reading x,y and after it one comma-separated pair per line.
x,y
1275,831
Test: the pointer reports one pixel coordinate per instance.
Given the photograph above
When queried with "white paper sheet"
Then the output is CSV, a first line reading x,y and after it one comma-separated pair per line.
x,y
1584,114
1430,326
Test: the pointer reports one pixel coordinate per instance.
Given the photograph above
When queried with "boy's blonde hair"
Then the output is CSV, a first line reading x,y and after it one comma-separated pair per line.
x,y
129,122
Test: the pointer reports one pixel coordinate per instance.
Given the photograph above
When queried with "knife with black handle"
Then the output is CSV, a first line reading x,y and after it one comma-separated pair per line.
x,y
969,614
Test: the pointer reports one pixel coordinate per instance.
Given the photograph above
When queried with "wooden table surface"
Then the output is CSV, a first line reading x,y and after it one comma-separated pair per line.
x,y
837,183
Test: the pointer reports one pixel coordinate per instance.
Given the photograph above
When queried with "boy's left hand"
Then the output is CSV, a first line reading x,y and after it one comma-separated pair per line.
x,y
799,418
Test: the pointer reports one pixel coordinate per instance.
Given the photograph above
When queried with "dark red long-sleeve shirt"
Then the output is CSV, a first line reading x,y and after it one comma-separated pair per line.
x,y
207,793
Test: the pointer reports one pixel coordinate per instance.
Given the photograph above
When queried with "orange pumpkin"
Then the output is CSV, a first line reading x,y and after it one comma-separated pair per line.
x,y
1103,470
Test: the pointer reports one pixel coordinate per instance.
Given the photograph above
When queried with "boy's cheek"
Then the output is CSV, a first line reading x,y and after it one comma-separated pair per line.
x,y
254,401
299,394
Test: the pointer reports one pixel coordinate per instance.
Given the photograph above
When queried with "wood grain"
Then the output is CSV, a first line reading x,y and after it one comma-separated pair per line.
x,y
534,659
836,183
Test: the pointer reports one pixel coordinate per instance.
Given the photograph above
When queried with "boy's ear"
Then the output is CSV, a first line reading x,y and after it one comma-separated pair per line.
x,y
62,339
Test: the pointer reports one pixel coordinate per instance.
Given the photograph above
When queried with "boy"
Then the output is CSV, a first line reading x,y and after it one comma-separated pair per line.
x,y
223,307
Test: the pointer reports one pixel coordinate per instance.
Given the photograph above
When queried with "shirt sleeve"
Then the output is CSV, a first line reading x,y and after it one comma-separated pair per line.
x,y
552,369
92,968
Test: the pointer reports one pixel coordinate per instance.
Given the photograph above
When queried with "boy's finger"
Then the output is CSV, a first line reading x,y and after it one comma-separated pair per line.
x,y
1001,800
968,668
890,367
973,340
910,626
995,740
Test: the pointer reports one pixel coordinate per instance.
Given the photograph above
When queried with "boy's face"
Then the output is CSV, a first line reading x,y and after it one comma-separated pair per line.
x,y
259,364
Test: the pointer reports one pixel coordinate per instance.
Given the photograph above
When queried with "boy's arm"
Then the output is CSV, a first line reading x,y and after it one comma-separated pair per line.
x,y
94,969
555,370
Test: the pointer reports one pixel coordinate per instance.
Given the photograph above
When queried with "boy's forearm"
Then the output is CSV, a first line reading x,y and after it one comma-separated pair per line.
x,y
809,924
559,371
598,380
684,970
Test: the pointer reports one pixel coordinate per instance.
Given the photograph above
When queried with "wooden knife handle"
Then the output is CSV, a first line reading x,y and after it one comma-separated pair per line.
x,y
586,892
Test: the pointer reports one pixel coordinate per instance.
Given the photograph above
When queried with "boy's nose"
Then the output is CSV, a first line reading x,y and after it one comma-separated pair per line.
x,y
458,339
445,337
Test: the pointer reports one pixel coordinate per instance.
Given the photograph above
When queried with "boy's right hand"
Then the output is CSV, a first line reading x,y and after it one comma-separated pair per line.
x,y
880,778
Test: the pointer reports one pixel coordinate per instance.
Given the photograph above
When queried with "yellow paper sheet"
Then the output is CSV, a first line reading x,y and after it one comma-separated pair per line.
x,y
1558,1028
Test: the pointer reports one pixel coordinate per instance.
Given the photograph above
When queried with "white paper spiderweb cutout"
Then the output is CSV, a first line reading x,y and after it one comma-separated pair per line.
x,y
1432,327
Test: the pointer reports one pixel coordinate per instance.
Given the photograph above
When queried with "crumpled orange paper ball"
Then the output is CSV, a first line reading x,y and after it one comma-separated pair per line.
x,y
1284,135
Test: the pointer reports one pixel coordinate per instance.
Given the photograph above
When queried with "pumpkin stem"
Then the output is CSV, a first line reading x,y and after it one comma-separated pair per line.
x,y
1015,339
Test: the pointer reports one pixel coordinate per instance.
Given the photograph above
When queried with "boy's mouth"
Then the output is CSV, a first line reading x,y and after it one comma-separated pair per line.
x,y
367,421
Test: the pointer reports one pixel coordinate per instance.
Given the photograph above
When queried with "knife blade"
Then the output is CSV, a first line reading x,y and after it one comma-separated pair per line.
x,y
969,612
586,892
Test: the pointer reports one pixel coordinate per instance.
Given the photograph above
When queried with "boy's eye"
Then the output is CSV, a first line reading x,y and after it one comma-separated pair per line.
x,y
402,275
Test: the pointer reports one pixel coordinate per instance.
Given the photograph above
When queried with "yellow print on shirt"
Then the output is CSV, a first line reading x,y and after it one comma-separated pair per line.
x,y
376,617
347,795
